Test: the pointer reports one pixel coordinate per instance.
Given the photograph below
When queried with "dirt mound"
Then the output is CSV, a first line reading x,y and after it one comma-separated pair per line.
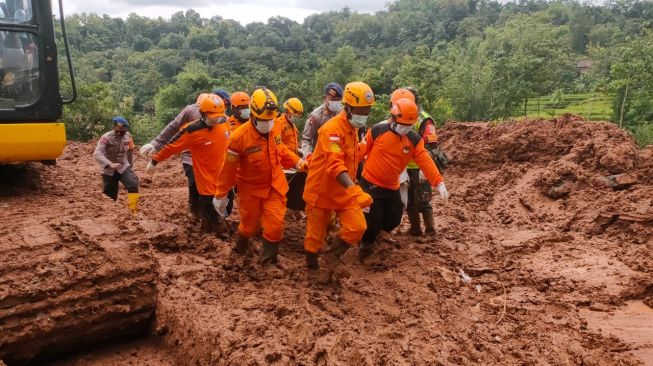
x,y
547,230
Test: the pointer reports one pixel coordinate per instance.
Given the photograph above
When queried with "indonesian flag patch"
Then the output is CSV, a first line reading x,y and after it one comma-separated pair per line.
x,y
334,137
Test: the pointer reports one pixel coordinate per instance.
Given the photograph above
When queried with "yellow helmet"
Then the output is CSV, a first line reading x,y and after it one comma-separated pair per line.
x,y
263,104
294,106
358,94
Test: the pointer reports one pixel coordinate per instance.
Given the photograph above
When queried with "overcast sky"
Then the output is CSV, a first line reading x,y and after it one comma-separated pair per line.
x,y
244,11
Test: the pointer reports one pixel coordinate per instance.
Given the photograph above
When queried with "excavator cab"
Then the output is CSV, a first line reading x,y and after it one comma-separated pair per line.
x,y
30,100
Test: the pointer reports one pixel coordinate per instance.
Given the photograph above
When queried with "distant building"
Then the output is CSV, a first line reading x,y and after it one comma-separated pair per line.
x,y
584,66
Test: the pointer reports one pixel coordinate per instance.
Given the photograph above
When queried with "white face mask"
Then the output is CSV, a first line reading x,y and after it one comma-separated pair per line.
x,y
358,121
402,129
294,119
243,114
264,126
334,106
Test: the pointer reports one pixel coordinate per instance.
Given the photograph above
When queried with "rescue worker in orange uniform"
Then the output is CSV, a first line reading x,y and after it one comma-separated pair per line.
x,y
239,109
206,138
330,184
254,162
293,110
190,113
390,146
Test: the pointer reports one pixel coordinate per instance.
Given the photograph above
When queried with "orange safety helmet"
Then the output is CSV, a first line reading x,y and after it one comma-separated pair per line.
x,y
212,106
203,96
405,111
401,93
239,99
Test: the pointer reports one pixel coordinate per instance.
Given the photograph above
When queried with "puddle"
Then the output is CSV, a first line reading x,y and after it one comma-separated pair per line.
x,y
632,323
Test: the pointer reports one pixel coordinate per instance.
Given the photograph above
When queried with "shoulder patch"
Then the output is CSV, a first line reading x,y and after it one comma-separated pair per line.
x,y
379,128
334,137
196,126
414,138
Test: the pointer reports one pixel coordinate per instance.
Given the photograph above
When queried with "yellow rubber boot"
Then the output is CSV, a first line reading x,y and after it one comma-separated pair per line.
x,y
132,202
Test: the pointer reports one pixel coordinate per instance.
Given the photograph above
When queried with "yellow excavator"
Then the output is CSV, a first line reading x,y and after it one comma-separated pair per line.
x,y
30,99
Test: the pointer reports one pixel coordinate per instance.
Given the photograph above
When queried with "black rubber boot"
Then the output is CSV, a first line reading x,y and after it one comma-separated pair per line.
x,y
415,224
429,222
270,251
311,261
242,245
365,250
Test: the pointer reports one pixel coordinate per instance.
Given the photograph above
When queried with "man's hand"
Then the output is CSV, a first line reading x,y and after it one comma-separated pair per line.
x,y
147,149
220,205
302,165
363,199
150,168
444,194
115,166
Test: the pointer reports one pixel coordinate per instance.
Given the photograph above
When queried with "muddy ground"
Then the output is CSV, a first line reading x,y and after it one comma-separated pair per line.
x,y
560,260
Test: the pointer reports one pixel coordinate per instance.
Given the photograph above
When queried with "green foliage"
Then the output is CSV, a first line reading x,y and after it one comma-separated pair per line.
x,y
468,60
90,116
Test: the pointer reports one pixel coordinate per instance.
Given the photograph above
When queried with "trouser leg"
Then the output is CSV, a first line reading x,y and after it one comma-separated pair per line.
x,y
129,179
193,194
110,185
317,220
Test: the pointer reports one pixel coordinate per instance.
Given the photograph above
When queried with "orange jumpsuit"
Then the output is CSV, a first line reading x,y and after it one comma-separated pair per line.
x,y
388,154
337,151
255,164
289,132
207,144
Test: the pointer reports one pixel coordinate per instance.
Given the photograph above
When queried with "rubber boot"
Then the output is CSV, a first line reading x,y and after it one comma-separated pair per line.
x,y
242,244
270,251
415,225
221,229
132,202
311,261
335,269
429,222
365,250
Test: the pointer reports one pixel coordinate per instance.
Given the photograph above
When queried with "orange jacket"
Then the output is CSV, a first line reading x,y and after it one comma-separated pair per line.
x,y
208,145
388,155
255,163
337,151
289,132
233,123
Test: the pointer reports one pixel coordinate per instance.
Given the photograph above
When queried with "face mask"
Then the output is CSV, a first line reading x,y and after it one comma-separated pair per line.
x,y
120,133
244,114
334,106
402,129
358,121
264,126
214,121
294,119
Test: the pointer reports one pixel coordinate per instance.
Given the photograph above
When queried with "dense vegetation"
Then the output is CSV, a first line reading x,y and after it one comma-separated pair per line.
x,y
469,59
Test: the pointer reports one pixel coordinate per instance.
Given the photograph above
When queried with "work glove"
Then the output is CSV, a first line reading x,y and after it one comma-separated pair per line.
x,y
147,149
220,205
302,165
150,168
444,194
422,178
363,199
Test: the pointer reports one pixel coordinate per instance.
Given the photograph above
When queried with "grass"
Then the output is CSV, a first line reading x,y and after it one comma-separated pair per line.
x,y
592,106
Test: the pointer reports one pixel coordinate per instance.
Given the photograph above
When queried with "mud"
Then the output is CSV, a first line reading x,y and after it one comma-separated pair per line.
x,y
535,252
